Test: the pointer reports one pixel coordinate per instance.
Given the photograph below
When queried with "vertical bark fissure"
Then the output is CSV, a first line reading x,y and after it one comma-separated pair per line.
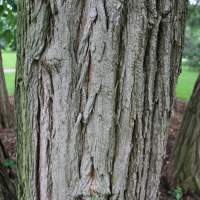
x,y
146,106
119,82
131,158
153,100
38,144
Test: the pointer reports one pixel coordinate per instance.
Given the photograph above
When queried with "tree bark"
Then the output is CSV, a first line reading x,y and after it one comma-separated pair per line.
x,y
186,152
7,185
6,115
94,91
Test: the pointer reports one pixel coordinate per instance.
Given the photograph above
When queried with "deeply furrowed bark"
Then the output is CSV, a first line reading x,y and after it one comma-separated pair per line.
x,y
94,90
6,115
186,152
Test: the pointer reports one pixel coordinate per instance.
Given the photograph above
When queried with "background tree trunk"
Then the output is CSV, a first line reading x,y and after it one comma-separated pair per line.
x,y
7,185
94,90
6,115
186,157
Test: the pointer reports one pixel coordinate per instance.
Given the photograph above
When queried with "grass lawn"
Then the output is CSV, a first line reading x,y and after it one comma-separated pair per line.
x,y
186,83
9,59
183,90
10,82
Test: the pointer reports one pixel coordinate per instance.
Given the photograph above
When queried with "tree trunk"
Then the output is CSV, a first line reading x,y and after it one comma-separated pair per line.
x,y
7,185
94,90
186,157
6,115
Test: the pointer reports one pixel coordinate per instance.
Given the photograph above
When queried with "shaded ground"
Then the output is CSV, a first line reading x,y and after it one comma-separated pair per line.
x,y
167,191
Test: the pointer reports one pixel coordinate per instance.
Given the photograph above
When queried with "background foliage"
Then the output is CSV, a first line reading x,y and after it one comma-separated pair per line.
x,y
192,37
8,12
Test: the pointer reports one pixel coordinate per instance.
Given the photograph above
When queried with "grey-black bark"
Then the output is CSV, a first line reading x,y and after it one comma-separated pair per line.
x,y
186,158
94,90
6,115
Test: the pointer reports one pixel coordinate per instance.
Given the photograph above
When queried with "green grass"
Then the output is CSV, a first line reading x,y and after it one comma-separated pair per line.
x,y
184,87
9,59
10,82
186,83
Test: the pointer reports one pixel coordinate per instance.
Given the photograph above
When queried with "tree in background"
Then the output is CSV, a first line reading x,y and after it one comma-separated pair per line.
x,y
7,184
186,155
7,40
6,115
94,92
